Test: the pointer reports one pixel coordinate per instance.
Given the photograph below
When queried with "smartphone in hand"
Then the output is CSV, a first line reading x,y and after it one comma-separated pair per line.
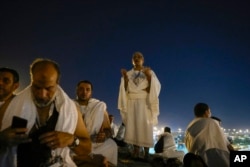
x,y
18,122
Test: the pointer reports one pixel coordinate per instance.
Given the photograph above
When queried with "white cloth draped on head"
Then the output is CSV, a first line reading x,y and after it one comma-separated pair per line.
x,y
23,106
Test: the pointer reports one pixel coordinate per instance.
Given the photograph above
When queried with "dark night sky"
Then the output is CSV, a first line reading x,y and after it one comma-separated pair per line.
x,y
199,50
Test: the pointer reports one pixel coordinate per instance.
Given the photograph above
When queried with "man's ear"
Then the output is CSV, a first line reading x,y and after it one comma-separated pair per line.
x,y
15,86
207,114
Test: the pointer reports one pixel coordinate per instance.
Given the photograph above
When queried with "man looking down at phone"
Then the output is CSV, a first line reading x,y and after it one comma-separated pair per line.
x,y
54,123
9,82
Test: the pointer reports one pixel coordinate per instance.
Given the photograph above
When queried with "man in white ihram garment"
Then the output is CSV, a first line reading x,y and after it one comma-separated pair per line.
x,y
138,103
113,126
97,122
169,147
205,138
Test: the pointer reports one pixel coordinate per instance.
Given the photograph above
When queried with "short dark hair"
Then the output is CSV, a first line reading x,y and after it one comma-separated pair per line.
x,y
87,82
200,109
41,61
167,129
13,72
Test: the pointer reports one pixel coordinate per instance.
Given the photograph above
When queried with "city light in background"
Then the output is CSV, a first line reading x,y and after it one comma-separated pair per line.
x,y
239,138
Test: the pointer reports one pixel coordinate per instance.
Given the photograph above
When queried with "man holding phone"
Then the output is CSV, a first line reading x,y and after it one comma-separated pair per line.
x,y
9,82
54,123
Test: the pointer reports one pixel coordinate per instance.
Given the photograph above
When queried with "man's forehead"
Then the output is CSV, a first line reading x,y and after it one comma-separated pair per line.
x,y
84,85
137,55
45,71
45,77
6,75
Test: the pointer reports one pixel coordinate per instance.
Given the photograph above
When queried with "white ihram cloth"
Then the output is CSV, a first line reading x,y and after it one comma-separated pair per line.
x,y
120,133
93,118
23,106
169,147
139,109
204,137
114,129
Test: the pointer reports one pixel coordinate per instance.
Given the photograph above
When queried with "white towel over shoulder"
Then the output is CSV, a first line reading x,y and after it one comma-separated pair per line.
x,y
23,106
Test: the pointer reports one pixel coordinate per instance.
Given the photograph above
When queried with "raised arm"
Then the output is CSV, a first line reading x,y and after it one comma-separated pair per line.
x,y
125,77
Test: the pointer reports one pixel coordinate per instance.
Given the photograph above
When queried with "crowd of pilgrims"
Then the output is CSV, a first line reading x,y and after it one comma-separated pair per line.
x,y
42,126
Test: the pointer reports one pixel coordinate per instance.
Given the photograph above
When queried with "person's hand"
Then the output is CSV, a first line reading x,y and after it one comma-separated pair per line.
x,y
124,73
55,139
147,71
14,136
99,137
108,132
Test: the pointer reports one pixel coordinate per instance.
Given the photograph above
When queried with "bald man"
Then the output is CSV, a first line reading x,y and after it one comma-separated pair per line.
x,y
54,123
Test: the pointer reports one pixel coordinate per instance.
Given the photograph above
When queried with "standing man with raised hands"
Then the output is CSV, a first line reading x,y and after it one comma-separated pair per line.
x,y
138,103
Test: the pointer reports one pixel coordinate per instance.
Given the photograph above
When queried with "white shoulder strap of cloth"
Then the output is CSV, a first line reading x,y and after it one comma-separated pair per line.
x,y
95,115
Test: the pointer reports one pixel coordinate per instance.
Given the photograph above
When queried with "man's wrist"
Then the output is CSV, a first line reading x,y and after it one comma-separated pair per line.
x,y
75,142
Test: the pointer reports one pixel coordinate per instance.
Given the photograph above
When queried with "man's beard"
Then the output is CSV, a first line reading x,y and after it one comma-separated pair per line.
x,y
82,98
43,104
